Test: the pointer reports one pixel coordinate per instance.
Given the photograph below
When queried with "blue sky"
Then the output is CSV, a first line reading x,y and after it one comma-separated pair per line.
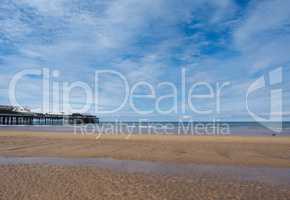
x,y
215,41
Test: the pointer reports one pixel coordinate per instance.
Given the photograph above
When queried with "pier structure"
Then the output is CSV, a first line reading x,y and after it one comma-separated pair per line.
x,y
77,118
11,116
15,119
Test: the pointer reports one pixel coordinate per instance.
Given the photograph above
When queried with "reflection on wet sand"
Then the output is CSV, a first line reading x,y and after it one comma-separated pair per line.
x,y
260,174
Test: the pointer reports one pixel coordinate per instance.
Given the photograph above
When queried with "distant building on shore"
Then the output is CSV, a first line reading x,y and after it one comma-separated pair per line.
x,y
13,109
11,115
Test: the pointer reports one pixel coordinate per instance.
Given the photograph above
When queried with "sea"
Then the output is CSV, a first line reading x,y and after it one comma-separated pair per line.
x,y
163,128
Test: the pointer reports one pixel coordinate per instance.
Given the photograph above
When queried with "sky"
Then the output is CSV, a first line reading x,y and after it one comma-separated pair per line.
x,y
150,43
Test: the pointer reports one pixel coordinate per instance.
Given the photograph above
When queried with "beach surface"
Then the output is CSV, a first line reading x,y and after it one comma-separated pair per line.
x,y
217,150
29,182
240,155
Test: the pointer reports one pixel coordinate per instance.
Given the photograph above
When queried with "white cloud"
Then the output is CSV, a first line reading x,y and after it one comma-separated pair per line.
x,y
263,17
263,34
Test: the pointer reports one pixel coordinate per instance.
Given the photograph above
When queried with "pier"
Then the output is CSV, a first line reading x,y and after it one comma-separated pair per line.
x,y
12,116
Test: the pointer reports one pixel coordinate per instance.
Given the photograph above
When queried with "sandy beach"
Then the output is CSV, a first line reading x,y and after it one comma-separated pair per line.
x,y
223,150
46,181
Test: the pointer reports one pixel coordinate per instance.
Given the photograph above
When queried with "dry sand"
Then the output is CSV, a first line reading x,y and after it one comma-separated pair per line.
x,y
64,182
245,151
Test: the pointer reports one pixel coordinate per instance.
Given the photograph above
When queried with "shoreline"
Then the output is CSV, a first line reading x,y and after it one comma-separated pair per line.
x,y
162,128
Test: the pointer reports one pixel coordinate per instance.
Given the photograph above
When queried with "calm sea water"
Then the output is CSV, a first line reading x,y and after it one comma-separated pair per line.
x,y
166,128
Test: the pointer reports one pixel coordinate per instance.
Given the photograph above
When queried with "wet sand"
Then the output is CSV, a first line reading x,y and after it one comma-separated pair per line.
x,y
269,175
64,181
27,182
